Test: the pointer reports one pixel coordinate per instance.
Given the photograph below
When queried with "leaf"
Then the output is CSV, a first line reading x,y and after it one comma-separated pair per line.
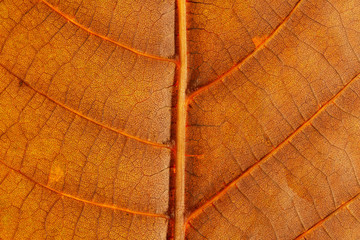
x,y
158,119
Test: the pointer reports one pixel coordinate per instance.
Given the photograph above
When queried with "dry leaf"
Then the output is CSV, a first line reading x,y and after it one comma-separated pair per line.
x,y
163,119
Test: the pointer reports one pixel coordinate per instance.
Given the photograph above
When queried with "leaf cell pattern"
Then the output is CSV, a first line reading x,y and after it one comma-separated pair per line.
x,y
90,119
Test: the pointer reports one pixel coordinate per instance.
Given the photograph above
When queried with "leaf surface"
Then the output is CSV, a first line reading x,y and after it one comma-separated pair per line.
x,y
274,140
158,119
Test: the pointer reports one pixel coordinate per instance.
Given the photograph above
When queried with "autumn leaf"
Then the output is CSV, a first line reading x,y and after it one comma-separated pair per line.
x,y
163,119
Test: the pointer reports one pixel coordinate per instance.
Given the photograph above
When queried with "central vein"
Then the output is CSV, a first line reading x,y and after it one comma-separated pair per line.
x,y
181,126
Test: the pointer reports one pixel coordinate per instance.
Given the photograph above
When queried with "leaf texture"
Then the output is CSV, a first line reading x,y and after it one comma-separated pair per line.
x,y
83,121
163,119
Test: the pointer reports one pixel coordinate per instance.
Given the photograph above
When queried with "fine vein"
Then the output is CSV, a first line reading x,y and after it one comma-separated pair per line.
x,y
68,18
267,156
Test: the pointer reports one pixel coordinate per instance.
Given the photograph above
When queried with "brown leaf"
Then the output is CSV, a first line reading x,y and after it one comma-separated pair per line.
x,y
162,119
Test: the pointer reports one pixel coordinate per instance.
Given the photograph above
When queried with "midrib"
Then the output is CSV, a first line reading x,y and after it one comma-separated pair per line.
x,y
181,126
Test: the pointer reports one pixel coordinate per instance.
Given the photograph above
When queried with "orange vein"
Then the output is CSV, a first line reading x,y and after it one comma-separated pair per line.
x,y
68,18
236,66
86,117
345,204
181,126
86,201
223,191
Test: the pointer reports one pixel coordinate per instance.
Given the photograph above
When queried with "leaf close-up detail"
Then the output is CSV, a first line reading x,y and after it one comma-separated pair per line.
x,y
175,119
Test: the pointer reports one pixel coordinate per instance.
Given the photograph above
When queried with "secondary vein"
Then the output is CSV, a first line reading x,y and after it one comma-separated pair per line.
x,y
239,64
68,18
113,207
86,117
